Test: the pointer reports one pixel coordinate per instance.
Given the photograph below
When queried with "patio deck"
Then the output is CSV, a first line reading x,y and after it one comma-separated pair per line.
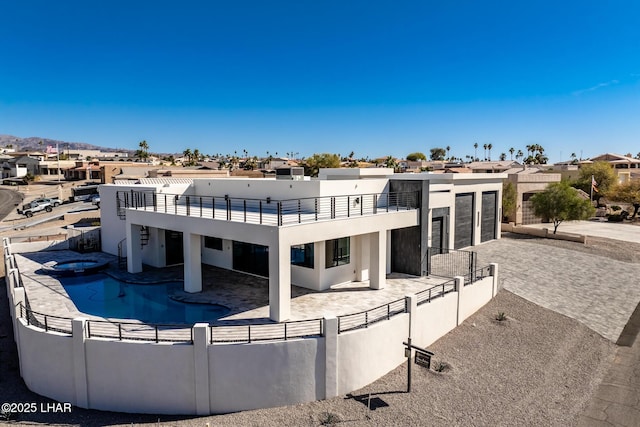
x,y
245,295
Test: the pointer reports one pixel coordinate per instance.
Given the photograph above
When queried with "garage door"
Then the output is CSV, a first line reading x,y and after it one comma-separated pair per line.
x,y
488,216
464,221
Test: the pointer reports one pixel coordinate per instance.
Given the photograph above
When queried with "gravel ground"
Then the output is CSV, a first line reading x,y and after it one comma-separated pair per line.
x,y
535,368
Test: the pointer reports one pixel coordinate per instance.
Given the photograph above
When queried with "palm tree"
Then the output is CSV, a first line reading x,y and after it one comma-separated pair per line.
x,y
448,148
196,155
390,162
489,146
187,154
144,149
475,155
485,151
511,151
503,157
519,154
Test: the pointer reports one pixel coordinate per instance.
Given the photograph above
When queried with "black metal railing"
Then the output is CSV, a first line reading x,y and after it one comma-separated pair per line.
x,y
477,274
268,332
267,211
45,321
122,259
446,262
363,319
175,333
139,331
436,291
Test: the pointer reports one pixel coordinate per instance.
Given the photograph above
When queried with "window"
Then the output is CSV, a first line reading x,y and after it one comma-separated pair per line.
x,y
302,255
251,258
213,243
337,252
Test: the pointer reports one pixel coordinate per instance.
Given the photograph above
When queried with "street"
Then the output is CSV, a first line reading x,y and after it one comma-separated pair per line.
x,y
9,200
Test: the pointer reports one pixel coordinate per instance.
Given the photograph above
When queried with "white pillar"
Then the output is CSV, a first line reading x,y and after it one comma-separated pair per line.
x,y
279,282
494,273
459,290
378,259
331,356
79,363
192,262
388,254
411,302
134,249
362,257
201,338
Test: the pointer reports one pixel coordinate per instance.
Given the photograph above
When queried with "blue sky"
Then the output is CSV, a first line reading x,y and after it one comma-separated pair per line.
x,y
373,77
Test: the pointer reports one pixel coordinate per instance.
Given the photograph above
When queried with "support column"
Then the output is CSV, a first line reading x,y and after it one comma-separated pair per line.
x,y
192,262
279,282
388,253
378,260
78,327
201,338
134,249
362,257
331,356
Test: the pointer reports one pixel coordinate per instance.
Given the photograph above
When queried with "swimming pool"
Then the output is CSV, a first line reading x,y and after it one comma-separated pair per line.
x,y
104,296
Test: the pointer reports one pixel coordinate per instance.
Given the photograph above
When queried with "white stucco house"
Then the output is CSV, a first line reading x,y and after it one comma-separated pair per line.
x,y
348,225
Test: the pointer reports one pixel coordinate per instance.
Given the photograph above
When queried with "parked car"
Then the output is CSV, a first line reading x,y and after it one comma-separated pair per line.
x,y
96,200
55,202
30,208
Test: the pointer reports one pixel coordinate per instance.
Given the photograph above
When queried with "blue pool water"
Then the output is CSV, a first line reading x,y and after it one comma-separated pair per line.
x,y
105,296
74,265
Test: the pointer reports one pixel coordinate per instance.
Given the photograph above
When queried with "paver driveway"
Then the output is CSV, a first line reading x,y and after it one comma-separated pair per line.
x,y
597,291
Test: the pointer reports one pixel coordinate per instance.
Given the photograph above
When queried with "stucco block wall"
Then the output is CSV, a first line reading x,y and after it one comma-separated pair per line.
x,y
46,362
222,259
475,296
261,375
140,377
365,355
435,319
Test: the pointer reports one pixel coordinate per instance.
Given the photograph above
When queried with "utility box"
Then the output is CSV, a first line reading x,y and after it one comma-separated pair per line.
x,y
295,173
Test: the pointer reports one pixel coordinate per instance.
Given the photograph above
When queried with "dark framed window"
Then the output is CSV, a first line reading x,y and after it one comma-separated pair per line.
x,y
302,255
213,243
337,252
251,258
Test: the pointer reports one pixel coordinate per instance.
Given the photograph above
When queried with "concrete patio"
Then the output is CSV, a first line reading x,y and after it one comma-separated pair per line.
x,y
247,296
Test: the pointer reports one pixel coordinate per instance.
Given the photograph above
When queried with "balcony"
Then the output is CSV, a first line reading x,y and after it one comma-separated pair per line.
x,y
267,211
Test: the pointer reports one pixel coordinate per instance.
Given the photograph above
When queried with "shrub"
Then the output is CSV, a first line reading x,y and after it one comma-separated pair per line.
x,y
329,419
441,366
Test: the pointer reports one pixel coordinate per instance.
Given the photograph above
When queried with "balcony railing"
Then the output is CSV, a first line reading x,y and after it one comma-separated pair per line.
x,y
267,211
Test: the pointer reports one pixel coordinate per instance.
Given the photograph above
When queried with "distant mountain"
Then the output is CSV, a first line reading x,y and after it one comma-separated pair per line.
x,y
33,143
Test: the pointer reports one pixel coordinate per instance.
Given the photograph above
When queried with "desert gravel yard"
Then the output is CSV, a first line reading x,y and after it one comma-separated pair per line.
x,y
536,368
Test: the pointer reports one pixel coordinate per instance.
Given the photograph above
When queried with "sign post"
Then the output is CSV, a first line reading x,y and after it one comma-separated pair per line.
x,y
423,358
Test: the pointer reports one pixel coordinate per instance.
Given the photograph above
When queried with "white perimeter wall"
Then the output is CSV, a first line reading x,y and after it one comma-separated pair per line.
x,y
267,374
140,377
212,378
365,355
